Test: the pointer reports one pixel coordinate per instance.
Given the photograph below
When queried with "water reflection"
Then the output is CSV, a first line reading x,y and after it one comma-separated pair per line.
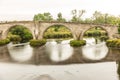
x,y
20,52
59,51
94,51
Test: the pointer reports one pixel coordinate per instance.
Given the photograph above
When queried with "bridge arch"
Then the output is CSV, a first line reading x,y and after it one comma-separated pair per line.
x,y
13,26
57,24
102,27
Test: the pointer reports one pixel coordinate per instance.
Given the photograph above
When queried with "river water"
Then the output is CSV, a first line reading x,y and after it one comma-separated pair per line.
x,y
58,51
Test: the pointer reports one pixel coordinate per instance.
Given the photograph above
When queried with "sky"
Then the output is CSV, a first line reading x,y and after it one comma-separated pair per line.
x,y
16,10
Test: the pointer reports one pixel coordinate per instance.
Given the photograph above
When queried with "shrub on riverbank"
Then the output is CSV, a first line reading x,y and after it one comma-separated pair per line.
x,y
15,39
77,43
48,35
114,43
95,33
104,38
4,42
37,43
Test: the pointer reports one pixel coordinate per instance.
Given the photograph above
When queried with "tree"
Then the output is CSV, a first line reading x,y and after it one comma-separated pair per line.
x,y
81,12
60,18
77,15
98,17
43,17
74,17
101,18
88,20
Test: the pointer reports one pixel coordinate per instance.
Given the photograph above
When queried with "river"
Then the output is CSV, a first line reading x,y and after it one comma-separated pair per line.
x,y
58,52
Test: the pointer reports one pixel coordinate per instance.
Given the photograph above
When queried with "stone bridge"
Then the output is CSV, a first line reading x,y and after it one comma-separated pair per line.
x,y
38,28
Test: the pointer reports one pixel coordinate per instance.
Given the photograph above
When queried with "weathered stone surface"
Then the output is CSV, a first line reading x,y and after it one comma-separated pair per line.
x,y
38,28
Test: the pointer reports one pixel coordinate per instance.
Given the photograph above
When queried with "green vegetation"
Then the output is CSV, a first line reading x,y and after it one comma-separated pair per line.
x,y
37,43
119,28
60,18
113,43
104,38
100,18
96,18
15,39
76,15
43,17
57,31
77,43
4,42
118,70
19,34
95,32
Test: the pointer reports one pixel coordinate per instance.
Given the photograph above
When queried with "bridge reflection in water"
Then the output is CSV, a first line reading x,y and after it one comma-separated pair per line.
x,y
60,52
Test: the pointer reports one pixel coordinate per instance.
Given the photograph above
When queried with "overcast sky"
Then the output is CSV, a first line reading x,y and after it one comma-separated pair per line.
x,y
25,9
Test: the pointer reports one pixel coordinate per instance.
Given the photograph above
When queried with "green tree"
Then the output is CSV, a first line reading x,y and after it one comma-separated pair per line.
x,y
101,18
60,18
88,20
98,17
81,12
77,15
74,17
21,31
15,38
43,17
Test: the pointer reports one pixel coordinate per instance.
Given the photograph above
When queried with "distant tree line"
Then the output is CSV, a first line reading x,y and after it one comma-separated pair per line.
x,y
97,17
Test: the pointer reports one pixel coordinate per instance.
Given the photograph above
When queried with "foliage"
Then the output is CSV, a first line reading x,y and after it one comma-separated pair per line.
x,y
57,31
114,43
4,42
57,35
88,20
60,18
15,38
77,43
94,32
21,31
118,70
96,18
119,28
101,18
37,43
43,17
77,15
104,38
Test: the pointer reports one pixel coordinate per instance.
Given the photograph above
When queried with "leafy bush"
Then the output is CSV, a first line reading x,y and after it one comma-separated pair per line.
x,y
4,42
58,35
15,39
21,31
57,31
104,38
94,33
77,43
37,43
114,43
